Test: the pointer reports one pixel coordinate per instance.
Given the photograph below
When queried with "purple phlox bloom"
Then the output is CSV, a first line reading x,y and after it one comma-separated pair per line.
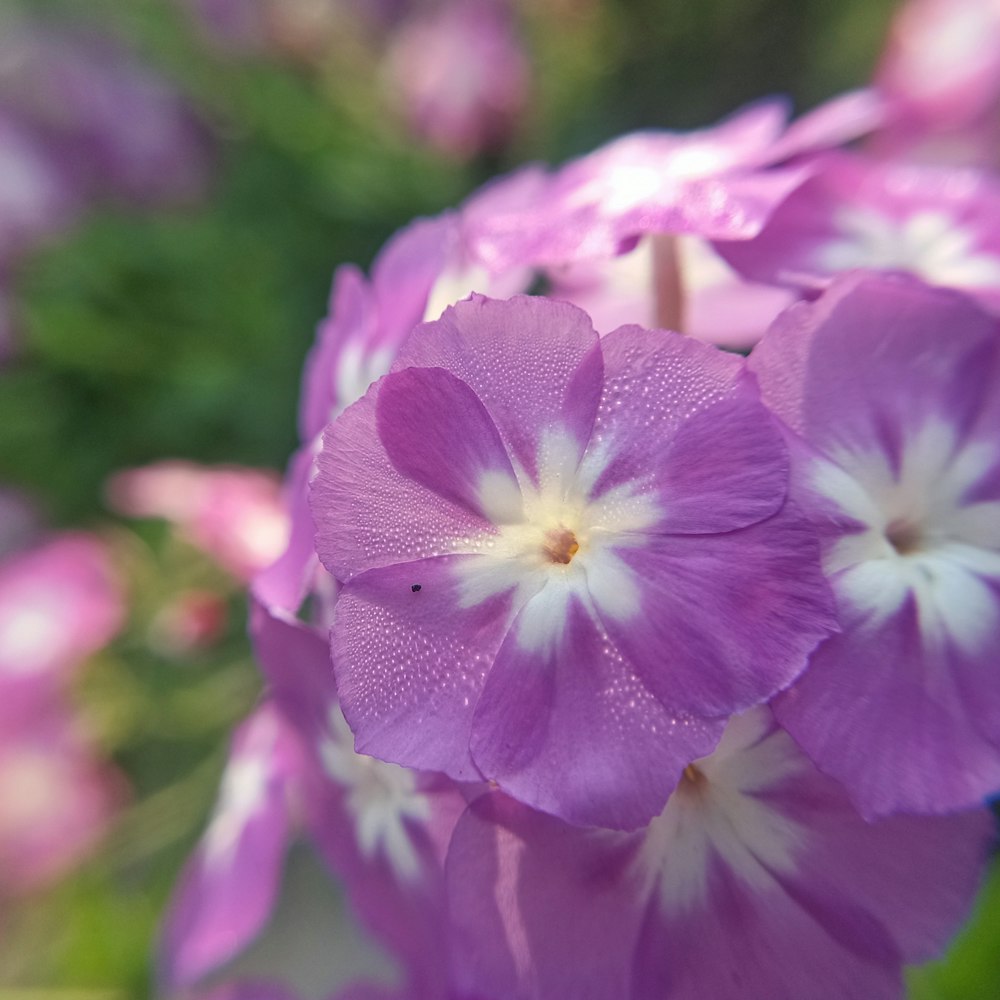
x,y
565,560
460,75
382,828
60,602
893,392
720,182
124,131
758,879
940,75
229,886
311,947
37,195
57,796
941,224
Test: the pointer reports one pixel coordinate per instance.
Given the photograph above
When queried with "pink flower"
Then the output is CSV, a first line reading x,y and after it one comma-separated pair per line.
x,y
940,73
460,74
758,879
565,560
892,390
57,798
60,602
233,514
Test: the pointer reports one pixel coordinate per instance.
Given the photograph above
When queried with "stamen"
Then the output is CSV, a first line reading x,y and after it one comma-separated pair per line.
x,y
693,775
561,545
904,536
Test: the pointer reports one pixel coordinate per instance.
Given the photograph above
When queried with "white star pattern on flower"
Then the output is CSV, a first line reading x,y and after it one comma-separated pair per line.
x,y
380,797
919,537
554,543
928,243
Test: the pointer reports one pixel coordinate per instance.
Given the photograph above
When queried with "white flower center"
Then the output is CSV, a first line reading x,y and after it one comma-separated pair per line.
x,y
920,537
380,797
553,542
716,811
929,243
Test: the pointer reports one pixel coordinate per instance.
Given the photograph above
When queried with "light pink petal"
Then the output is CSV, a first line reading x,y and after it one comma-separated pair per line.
x,y
534,382
410,663
715,459
728,620
437,433
539,909
367,512
571,730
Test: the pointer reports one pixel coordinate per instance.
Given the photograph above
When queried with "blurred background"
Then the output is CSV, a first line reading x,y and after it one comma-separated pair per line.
x,y
178,180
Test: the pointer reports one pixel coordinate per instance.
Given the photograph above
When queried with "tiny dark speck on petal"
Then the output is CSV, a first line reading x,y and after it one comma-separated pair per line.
x,y
415,587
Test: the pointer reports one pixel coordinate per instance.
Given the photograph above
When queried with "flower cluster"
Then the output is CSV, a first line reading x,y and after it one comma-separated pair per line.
x,y
606,662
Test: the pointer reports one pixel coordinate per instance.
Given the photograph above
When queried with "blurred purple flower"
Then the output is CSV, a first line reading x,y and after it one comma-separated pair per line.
x,y
460,75
941,224
894,390
116,128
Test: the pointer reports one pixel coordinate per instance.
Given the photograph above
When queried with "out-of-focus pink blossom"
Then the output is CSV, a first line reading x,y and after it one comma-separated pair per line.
x,y
233,514
460,75
941,74
191,621
57,798
59,603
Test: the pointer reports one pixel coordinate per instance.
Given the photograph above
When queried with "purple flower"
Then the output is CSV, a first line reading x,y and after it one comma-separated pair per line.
x,y
720,182
893,392
941,224
382,828
565,560
758,879
122,130
460,75
229,886
37,194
